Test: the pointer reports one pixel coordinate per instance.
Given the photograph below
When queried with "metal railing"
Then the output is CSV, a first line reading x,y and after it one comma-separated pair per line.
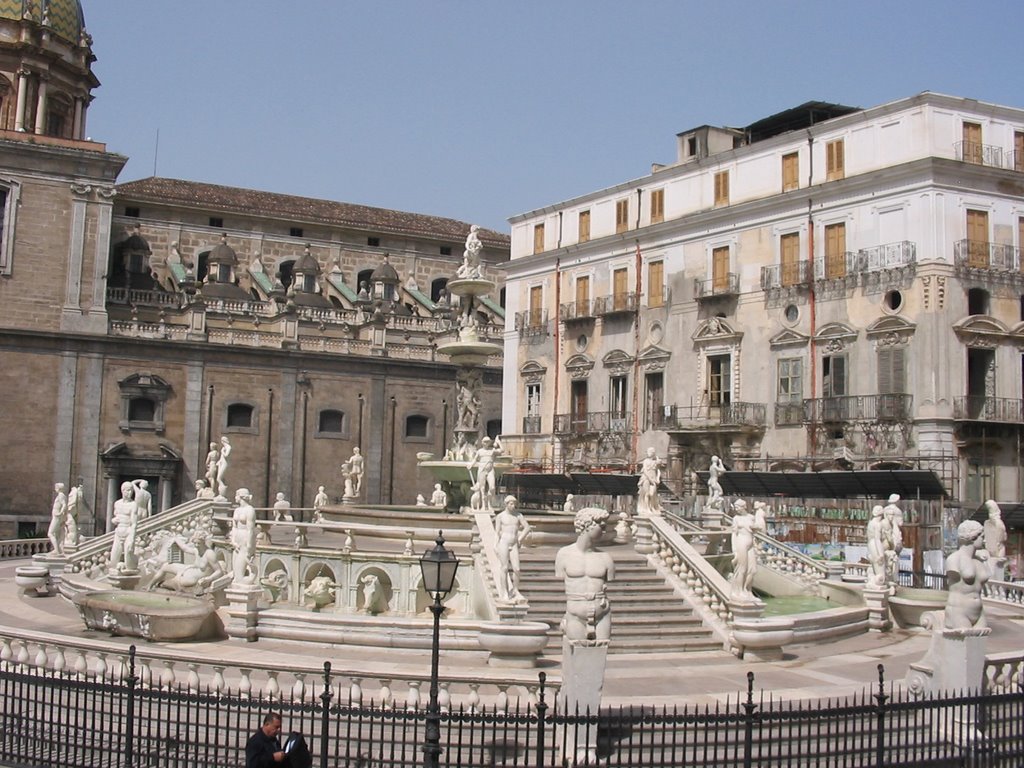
x,y
837,266
532,322
978,254
979,408
736,414
593,421
531,425
786,275
789,414
979,154
617,303
887,256
887,407
576,310
726,285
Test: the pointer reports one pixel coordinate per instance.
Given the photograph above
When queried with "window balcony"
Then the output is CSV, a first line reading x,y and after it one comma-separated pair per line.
x,y
617,304
980,154
532,322
144,298
576,311
837,266
712,288
592,422
779,276
531,425
1004,410
977,254
849,408
689,418
789,414
888,256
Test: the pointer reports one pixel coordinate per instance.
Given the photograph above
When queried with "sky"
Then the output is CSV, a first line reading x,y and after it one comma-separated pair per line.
x,y
480,110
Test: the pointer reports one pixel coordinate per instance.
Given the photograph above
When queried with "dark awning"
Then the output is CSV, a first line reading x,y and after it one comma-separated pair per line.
x,y
875,483
582,483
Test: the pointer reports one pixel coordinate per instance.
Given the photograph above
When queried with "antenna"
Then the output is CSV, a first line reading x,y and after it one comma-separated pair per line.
x,y
156,150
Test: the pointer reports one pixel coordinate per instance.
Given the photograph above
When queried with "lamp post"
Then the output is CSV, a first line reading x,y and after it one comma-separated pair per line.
x,y
438,567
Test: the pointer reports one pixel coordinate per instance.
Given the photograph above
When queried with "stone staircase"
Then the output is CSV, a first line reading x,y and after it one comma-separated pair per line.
x,y
647,615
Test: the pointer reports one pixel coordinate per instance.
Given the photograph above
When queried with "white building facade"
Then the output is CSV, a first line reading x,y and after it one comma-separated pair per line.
x,y
829,287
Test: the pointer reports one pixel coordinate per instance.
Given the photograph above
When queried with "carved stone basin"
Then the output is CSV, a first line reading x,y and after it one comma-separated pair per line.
x,y
149,615
908,605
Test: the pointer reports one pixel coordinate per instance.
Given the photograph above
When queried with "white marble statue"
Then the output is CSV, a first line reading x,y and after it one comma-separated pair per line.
x,y
511,529
878,572
485,483
568,506
203,491
893,531
282,509
320,591
320,501
374,599
222,468
195,576
58,519
467,403
76,502
438,498
356,464
744,549
212,458
347,481
421,500
277,584
648,502
995,531
143,498
967,570
126,522
470,268
715,472
586,572
243,537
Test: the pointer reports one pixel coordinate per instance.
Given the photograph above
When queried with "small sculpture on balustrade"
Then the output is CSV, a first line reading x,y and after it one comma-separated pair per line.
x,y
485,484
196,576
282,509
203,491
995,532
648,502
511,529
967,571
715,472
143,498
438,498
76,502
243,537
374,598
893,536
878,572
421,500
744,549
126,522
586,572
222,468
58,520
320,501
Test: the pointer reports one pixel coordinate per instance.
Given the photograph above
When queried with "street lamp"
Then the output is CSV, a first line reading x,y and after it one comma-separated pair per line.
x,y
438,567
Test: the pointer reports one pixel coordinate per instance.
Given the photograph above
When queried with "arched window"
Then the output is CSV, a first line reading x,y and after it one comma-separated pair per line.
x,y
977,301
141,410
436,287
417,426
363,277
493,428
203,266
284,272
331,423
59,120
240,416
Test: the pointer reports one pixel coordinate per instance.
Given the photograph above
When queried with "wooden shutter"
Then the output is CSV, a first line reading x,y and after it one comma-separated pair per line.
x,y
790,171
835,251
835,160
977,239
584,228
536,304
582,296
1020,245
1018,153
892,377
619,283
790,245
538,238
657,206
722,188
720,269
972,143
656,284
622,215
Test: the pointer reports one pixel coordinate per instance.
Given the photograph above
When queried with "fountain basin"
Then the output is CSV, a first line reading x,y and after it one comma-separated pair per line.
x,y
513,644
148,615
32,579
908,605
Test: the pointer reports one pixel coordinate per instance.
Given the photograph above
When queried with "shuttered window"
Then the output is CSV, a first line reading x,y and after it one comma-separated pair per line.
x,y
790,246
835,160
892,377
538,238
977,239
622,215
620,282
835,251
656,284
722,188
536,304
790,172
657,206
972,143
1018,150
584,227
582,296
720,268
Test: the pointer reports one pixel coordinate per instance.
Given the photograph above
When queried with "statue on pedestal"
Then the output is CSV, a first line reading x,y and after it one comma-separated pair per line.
x,y
744,549
648,502
203,491
893,533
282,509
470,268
715,471
586,572
355,463
512,529
212,458
58,519
196,576
995,531
438,498
320,501
967,571
222,468
243,537
143,498
76,501
877,574
126,522
485,484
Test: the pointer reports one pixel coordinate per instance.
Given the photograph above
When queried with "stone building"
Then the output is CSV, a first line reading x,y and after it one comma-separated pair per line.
x,y
143,321
829,287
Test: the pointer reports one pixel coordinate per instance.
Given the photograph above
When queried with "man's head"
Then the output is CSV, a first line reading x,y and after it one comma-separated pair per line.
x,y
272,724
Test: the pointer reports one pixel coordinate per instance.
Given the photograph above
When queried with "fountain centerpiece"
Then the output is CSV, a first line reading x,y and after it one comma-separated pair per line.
x,y
472,465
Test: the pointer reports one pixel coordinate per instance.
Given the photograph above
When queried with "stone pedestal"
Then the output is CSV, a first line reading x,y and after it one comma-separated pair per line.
x,y
877,601
712,516
643,541
126,579
513,644
583,668
243,611
54,565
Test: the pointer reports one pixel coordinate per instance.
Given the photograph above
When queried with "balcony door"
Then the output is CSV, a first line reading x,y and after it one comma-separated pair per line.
x,y
578,406
835,251
972,143
981,381
656,397
719,380
977,239
720,269
619,288
536,305
582,296
790,247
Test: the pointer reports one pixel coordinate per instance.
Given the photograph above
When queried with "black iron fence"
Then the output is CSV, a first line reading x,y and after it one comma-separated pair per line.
x,y
69,720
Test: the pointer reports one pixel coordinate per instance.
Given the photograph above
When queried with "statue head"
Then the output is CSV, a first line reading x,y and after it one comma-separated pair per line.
x,y
127,490
877,511
242,496
969,532
320,489
58,487
437,486
893,498
486,442
993,510
280,496
510,503
651,452
144,484
589,519
739,507
355,451
213,446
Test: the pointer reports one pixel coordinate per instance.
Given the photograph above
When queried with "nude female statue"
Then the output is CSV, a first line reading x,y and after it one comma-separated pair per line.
x,y
967,570
243,534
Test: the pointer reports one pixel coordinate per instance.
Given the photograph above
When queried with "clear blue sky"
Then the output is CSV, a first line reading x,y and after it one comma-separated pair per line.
x,y
480,110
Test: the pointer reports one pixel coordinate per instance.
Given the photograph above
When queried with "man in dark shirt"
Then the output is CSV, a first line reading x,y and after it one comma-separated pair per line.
x,y
264,747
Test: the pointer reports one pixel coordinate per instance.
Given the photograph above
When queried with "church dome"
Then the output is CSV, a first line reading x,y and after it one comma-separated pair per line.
x,y
63,17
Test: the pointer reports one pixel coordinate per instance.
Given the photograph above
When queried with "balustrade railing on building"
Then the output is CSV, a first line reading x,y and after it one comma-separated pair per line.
x,y
735,414
617,303
592,421
788,275
1007,410
887,256
143,298
885,407
723,285
979,254
837,266
980,154
532,322
582,309
531,425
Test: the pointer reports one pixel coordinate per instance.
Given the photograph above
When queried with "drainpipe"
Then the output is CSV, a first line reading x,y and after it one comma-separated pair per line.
x,y
209,427
635,431
391,465
639,204
560,214
557,355
270,428
812,308
302,447
359,426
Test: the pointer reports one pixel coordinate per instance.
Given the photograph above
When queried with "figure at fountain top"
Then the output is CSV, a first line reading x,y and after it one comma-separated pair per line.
x,y
586,572
967,571
470,269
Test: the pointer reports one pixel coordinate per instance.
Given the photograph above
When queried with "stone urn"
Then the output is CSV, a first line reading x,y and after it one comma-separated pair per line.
x,y
513,644
33,579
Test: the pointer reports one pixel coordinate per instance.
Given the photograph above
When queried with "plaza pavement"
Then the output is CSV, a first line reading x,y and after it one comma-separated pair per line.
x,y
810,671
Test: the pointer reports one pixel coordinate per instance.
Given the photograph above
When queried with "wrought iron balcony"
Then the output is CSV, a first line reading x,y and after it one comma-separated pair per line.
x,y
531,425
676,418
790,275
888,256
789,414
725,285
846,408
837,266
576,311
977,254
595,421
532,322
617,304
979,154
1005,410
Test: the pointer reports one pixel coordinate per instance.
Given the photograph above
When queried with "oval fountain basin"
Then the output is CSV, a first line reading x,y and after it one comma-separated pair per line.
x,y
149,615
908,605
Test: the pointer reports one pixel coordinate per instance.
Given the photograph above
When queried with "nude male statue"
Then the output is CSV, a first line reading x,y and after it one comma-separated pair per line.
x,y
586,572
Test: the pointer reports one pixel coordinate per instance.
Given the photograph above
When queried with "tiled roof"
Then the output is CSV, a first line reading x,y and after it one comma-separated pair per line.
x,y
194,194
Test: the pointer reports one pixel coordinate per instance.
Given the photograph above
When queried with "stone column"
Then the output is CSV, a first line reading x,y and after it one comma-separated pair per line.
x,y
112,494
41,105
76,131
19,117
165,494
